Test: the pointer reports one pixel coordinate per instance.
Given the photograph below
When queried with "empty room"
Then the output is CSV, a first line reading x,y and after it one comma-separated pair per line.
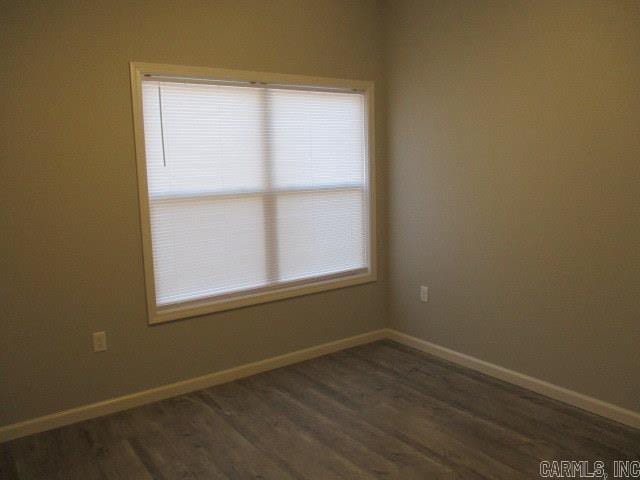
x,y
320,239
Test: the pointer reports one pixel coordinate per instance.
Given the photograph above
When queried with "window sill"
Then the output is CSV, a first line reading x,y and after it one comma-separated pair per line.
x,y
185,310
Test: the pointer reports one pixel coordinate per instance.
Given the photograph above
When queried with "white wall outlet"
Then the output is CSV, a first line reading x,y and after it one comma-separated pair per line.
x,y
99,341
424,294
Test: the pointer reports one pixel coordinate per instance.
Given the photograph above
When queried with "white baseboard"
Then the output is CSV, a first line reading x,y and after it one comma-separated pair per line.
x,y
585,402
85,412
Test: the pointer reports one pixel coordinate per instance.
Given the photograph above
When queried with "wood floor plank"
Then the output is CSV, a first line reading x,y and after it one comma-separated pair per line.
x,y
64,453
558,412
412,462
377,411
506,404
7,464
507,446
278,436
443,445
328,432
232,453
537,404
175,446
118,460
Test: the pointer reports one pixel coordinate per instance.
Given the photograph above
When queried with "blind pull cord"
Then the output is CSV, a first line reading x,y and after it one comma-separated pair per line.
x,y
164,156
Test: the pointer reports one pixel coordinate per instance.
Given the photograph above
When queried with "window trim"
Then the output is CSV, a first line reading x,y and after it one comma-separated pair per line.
x,y
266,294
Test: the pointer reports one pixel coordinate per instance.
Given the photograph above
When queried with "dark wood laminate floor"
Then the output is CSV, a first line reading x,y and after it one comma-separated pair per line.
x,y
377,411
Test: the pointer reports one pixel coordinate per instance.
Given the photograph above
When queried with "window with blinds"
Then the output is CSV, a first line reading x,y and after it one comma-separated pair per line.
x,y
253,189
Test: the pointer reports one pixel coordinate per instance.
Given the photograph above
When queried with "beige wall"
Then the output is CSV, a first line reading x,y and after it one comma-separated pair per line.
x,y
70,242
515,185
515,133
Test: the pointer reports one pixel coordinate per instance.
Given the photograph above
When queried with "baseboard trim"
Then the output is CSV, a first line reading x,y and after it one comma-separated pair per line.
x,y
85,412
585,402
117,404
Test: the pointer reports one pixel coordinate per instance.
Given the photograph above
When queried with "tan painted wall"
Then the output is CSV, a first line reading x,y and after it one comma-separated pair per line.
x,y
71,249
515,185
516,172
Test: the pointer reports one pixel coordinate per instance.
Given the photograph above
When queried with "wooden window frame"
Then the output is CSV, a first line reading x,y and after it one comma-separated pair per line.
x,y
275,291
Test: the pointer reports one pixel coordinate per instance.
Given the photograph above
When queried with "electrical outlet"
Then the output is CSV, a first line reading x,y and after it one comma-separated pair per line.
x,y
424,294
99,341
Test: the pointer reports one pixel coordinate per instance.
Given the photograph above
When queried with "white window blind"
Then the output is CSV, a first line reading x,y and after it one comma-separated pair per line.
x,y
252,188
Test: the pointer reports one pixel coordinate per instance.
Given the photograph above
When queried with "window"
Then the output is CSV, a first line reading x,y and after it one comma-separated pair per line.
x,y
253,187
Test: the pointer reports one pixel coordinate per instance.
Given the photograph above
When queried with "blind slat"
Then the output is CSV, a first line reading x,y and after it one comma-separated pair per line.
x,y
252,187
